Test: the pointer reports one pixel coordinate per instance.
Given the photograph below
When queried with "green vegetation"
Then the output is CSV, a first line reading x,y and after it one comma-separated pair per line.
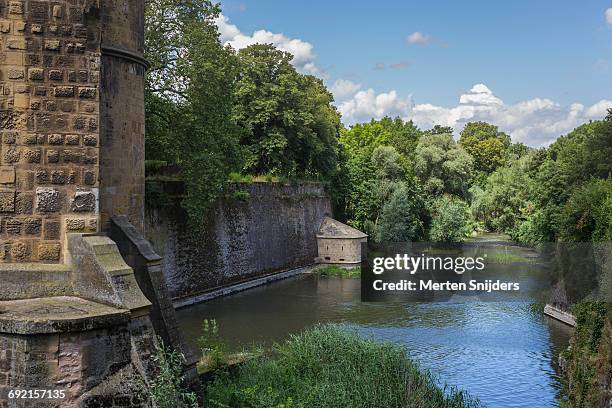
x,y
589,358
212,348
487,145
220,116
167,389
505,258
212,111
339,272
328,366
451,219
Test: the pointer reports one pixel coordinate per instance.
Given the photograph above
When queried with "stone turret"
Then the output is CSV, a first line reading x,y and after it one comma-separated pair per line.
x,y
71,122
122,124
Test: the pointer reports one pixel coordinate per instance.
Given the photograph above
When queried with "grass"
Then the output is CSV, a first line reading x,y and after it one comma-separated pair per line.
x,y
210,363
339,272
328,366
505,258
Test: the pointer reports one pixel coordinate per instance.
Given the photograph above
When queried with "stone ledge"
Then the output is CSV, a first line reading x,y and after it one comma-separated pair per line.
x,y
33,267
30,280
57,315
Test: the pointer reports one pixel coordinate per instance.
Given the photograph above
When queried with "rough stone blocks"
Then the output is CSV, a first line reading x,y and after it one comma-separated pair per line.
x,y
48,200
7,201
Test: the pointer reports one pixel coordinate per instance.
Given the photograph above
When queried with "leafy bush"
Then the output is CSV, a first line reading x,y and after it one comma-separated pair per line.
x,y
589,361
331,367
235,177
586,215
241,195
451,220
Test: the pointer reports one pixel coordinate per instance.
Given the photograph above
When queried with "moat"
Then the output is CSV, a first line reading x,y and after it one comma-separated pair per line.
x,y
503,352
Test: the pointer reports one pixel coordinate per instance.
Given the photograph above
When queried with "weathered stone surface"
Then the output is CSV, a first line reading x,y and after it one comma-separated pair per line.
x,y
13,227
274,231
7,201
7,174
52,229
63,91
32,155
20,251
75,225
53,156
12,155
84,201
48,200
90,140
24,203
49,251
53,103
32,226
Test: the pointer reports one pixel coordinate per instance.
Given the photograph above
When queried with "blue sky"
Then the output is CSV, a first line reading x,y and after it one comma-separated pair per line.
x,y
536,68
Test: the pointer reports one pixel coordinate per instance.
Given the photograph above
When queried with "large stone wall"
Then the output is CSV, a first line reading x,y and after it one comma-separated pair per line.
x,y
275,229
49,75
71,121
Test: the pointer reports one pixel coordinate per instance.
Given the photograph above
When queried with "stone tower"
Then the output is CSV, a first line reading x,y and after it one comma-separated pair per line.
x,y
73,316
71,122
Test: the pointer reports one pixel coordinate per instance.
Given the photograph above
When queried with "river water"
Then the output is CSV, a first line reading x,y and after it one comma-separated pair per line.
x,y
502,352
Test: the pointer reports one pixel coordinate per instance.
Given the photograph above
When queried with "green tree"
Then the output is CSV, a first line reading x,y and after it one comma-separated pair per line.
x,y
442,165
504,201
289,125
487,145
189,98
402,216
379,156
451,220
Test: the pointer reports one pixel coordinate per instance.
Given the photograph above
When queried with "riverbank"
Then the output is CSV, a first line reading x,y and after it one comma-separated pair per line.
x,y
331,366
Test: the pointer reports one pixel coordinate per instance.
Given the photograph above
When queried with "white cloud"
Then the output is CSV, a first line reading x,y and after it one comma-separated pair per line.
x,y
419,38
609,16
365,105
342,88
536,122
303,52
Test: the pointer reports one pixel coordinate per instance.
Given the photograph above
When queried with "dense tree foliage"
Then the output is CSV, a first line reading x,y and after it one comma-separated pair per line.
x,y
450,219
211,111
380,172
189,97
561,192
487,145
442,166
402,217
289,125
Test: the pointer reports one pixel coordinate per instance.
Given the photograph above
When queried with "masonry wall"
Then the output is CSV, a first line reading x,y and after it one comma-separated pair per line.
x,y
49,75
275,229
122,112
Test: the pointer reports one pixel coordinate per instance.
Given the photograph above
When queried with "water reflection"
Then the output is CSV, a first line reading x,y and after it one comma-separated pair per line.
x,y
501,352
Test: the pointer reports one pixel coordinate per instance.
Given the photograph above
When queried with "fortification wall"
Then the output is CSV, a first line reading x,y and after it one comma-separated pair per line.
x,y
273,230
